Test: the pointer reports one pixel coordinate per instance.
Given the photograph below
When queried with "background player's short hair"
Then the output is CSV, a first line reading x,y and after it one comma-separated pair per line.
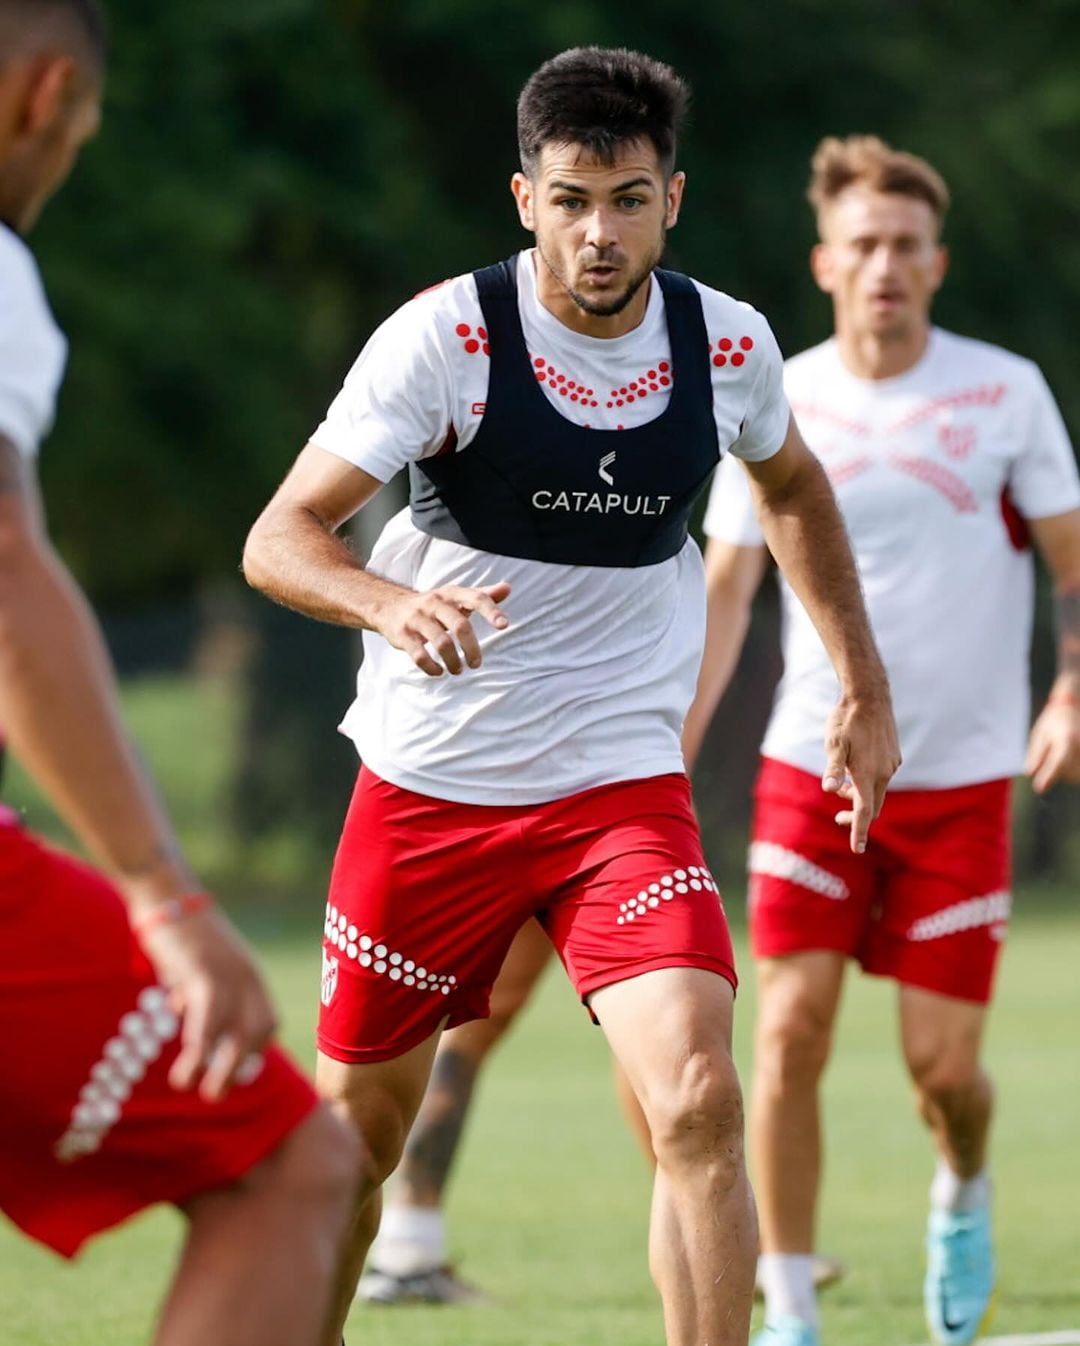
x,y
601,98
75,25
867,161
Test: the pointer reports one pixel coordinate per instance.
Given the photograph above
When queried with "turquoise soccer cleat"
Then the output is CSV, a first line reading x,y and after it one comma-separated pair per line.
x,y
788,1331
959,1288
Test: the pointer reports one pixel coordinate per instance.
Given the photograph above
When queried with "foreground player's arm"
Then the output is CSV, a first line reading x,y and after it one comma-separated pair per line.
x,y
59,711
732,577
1054,745
805,533
295,556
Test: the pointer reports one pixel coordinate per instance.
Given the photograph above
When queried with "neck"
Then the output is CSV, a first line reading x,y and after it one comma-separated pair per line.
x,y
871,355
558,301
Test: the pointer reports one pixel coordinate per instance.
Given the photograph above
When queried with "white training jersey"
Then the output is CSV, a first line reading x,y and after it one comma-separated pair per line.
x,y
33,351
935,472
592,680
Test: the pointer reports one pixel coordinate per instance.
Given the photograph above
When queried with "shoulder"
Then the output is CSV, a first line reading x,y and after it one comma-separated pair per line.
x,y
984,360
740,338
724,311
21,284
440,310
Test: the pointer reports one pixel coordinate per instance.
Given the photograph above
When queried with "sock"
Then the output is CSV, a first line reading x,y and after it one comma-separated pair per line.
x,y
412,1240
959,1196
788,1282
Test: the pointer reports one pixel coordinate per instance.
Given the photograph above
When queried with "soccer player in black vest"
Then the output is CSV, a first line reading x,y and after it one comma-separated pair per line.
x,y
533,626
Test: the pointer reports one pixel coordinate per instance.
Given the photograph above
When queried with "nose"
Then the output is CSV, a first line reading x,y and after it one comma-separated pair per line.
x,y
600,228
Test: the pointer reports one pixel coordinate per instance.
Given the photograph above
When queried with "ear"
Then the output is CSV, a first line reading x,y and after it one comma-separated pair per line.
x,y
522,188
48,93
821,267
675,188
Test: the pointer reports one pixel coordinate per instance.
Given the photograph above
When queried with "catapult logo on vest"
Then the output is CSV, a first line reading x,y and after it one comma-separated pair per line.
x,y
595,502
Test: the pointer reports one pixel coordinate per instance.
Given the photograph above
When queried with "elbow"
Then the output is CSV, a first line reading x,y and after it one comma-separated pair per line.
x,y
254,563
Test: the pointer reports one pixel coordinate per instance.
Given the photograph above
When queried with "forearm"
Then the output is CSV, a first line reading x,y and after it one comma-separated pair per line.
x,y
59,710
298,561
805,533
1067,623
729,617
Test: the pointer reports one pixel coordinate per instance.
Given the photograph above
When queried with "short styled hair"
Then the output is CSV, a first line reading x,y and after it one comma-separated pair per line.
x,y
601,98
31,25
867,161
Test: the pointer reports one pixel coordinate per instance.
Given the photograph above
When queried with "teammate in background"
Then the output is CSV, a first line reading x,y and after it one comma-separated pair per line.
x,y
134,1064
944,453
558,414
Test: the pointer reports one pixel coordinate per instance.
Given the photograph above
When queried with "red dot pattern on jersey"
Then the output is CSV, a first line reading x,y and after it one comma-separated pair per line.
x,y
472,345
724,345
462,329
547,373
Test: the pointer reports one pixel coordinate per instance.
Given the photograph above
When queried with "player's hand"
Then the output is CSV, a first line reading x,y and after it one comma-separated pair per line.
x,y
862,755
216,989
435,629
1054,746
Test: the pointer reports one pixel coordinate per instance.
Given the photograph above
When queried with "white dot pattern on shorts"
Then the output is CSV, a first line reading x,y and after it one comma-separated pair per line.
x,y
380,958
140,1038
993,910
669,886
777,862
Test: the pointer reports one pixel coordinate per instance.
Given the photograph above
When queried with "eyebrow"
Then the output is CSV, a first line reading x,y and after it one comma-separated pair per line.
x,y
615,191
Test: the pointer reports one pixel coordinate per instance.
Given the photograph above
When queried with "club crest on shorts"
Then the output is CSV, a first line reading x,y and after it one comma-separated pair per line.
x,y
329,978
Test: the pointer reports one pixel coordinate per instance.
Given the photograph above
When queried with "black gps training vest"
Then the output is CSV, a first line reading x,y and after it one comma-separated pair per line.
x,y
535,485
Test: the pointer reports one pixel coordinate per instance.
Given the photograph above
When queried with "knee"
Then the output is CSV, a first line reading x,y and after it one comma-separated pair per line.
x,y
377,1128
696,1120
944,1078
792,1047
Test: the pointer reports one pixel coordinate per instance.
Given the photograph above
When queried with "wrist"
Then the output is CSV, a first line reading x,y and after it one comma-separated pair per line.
x,y
1064,696
169,912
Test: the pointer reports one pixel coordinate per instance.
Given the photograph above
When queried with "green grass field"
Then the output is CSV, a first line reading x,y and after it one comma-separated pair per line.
x,y
549,1203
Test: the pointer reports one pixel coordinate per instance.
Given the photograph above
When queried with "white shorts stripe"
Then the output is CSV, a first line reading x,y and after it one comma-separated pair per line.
x,y
992,909
777,862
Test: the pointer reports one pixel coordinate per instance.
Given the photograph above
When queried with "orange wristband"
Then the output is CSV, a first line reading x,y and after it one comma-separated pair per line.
x,y
175,909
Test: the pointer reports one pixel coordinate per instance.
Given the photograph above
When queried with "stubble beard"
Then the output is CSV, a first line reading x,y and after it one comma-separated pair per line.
x,y
605,308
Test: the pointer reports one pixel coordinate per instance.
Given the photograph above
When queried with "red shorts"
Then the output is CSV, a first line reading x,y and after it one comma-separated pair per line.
x,y
927,904
427,895
90,1131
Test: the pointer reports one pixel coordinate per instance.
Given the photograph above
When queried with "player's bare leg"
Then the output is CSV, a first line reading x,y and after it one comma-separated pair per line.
x,y
408,1261
941,1038
671,1031
798,997
262,1258
380,1102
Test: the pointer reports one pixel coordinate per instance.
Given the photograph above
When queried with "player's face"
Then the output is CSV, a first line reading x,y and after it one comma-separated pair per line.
x,y
881,262
62,111
600,226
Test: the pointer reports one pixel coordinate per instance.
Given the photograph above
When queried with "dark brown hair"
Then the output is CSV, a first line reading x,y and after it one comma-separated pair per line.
x,y
601,98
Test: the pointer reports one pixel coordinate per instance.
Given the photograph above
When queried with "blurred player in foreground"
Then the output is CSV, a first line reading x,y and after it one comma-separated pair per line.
x,y
134,1064
558,414
945,453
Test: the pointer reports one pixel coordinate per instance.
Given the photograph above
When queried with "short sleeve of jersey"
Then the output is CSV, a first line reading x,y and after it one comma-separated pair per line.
x,y
1044,479
396,405
729,516
765,424
32,350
